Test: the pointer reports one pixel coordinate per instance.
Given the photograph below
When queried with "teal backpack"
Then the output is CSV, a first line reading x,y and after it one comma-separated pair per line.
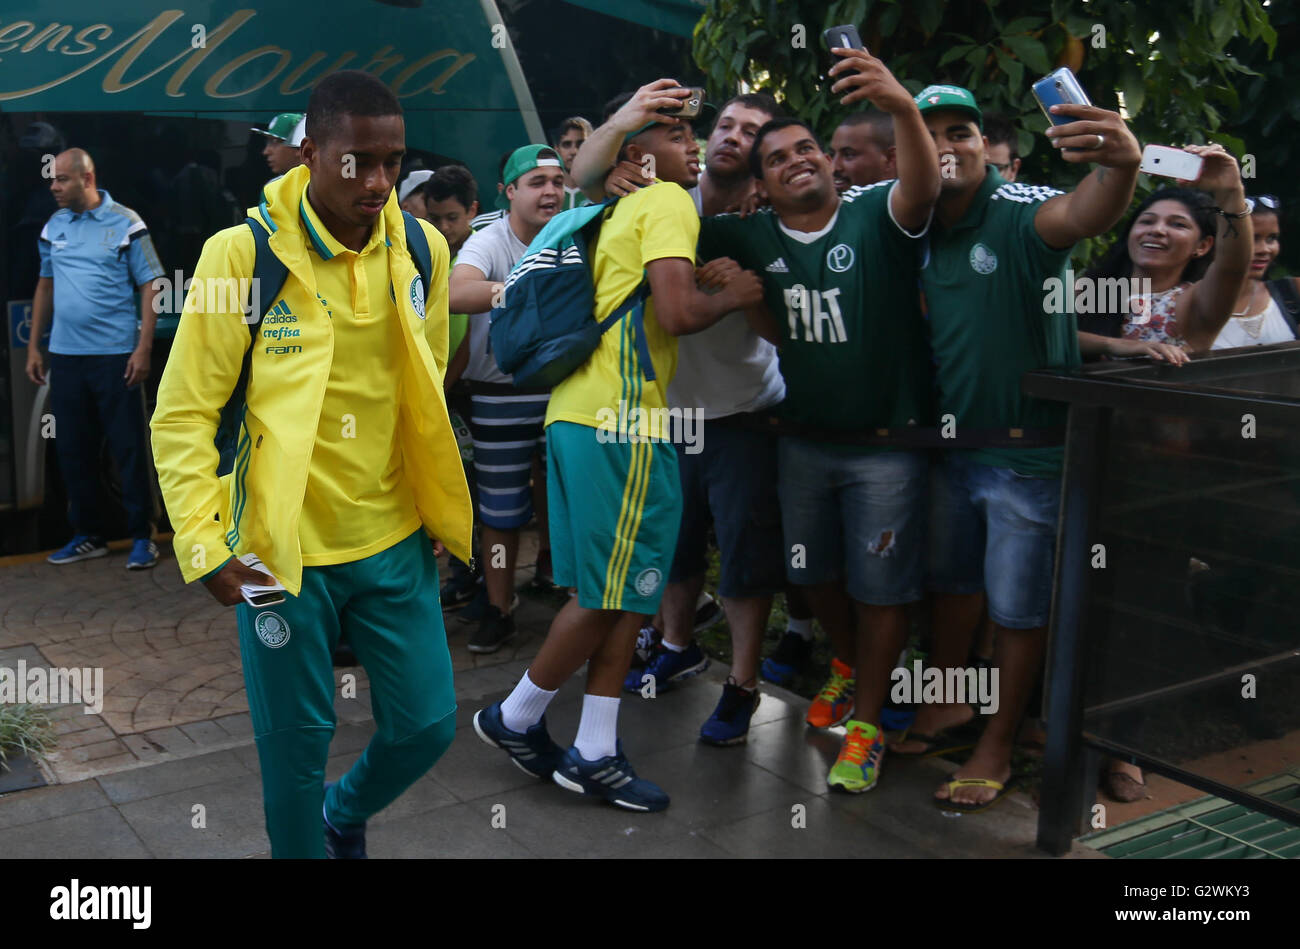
x,y
545,328
270,273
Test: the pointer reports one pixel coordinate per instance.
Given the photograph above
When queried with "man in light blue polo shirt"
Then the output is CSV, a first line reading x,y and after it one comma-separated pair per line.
x,y
94,253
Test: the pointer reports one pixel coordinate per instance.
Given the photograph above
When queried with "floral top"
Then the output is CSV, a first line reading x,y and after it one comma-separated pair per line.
x,y
1153,320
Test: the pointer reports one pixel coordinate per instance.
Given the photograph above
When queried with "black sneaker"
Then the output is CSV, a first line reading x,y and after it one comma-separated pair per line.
x,y
495,630
459,590
343,844
708,612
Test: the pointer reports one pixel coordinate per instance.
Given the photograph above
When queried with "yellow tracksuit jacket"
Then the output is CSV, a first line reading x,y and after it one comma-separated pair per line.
x,y
257,507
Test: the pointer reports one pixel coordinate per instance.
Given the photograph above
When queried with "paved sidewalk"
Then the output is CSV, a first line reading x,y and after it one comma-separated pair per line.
x,y
176,743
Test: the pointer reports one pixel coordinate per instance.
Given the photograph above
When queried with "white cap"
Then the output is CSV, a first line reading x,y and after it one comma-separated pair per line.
x,y
413,181
299,133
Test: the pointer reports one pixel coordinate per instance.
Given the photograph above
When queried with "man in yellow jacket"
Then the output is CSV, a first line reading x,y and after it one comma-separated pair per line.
x,y
346,467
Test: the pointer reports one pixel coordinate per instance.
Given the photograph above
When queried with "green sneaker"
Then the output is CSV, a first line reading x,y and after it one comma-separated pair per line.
x,y
857,769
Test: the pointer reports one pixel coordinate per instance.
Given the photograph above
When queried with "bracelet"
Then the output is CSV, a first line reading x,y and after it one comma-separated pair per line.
x,y
1232,230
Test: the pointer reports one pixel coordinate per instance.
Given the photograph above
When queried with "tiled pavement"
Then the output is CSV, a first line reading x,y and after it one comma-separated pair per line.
x,y
174,733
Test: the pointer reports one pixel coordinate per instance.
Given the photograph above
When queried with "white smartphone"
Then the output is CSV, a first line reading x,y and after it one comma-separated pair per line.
x,y
1171,162
256,595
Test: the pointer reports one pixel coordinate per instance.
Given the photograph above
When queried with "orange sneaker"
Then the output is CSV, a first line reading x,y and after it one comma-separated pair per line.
x,y
834,704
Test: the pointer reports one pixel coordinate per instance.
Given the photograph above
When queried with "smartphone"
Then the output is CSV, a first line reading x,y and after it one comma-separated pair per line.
x,y
843,37
1171,162
690,107
257,595
1059,88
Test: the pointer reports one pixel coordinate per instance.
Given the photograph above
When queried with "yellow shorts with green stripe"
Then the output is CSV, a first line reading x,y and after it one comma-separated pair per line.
x,y
614,508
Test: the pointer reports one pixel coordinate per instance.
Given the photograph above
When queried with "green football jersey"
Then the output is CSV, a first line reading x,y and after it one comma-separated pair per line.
x,y
984,282
847,300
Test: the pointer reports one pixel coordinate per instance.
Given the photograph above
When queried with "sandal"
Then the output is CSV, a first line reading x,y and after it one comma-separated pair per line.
x,y
943,742
948,804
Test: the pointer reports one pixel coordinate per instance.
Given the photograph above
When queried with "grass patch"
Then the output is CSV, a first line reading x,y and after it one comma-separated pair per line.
x,y
25,730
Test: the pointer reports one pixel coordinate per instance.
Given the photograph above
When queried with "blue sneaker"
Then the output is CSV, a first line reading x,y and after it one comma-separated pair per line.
x,y
668,668
532,751
611,778
342,844
144,554
729,723
81,547
788,659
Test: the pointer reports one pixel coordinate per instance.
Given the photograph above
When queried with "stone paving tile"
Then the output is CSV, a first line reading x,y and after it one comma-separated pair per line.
x,y
549,820
170,776
825,834
231,812
58,800
101,833
459,830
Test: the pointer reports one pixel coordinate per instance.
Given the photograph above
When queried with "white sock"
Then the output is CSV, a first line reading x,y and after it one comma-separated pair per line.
x,y
673,647
800,627
598,728
525,706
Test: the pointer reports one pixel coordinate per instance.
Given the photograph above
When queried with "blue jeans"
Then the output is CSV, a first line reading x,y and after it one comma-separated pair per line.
x,y
90,401
993,530
859,515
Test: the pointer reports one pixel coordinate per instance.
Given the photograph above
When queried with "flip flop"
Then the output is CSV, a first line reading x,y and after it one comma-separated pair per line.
x,y
943,742
948,804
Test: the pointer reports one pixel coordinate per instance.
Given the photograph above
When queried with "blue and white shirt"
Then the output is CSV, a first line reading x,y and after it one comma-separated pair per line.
x,y
97,258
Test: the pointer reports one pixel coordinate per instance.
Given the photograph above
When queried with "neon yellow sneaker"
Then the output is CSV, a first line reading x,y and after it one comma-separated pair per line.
x,y
834,704
857,769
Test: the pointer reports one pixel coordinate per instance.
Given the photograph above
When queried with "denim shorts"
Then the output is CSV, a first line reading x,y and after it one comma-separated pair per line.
x,y
855,515
993,530
731,480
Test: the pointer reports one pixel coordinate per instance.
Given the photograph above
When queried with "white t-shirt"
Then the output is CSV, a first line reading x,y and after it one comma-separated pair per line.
x,y
494,250
727,368
1258,330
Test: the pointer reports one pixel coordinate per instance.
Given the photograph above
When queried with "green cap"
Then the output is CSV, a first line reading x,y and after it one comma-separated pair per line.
x,y
523,160
282,127
949,97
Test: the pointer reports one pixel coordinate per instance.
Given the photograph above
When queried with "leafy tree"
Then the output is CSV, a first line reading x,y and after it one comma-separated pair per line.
x,y
1180,67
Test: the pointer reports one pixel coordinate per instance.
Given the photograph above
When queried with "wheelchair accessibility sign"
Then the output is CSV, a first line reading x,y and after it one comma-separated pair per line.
x,y
20,325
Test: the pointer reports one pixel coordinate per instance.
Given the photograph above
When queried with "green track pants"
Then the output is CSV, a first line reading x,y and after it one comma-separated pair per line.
x,y
388,607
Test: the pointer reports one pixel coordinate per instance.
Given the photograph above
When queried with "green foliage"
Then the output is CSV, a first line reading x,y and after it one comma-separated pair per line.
x,y
1181,66
25,730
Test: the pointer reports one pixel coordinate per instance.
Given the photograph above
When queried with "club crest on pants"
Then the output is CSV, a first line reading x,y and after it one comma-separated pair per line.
x,y
271,629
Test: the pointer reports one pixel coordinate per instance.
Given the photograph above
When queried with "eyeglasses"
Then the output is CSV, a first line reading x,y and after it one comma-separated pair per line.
x,y
1268,201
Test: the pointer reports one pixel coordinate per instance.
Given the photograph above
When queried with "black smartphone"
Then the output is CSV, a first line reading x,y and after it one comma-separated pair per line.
x,y
843,37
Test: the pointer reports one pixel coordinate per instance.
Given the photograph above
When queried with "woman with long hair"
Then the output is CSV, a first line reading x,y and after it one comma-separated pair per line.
x,y
1184,268
1266,310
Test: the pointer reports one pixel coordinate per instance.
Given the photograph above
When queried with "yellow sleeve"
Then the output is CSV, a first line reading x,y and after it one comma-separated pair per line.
x,y
436,320
202,370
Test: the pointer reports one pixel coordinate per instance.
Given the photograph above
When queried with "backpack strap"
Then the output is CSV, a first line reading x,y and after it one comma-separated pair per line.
x,y
635,305
269,274
1284,293
418,244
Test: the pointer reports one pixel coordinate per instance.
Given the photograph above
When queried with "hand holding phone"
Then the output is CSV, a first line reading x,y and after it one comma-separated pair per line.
x,y
258,595
691,105
1171,163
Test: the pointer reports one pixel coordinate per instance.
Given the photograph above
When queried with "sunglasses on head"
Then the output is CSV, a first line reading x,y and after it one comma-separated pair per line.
x,y
1268,202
